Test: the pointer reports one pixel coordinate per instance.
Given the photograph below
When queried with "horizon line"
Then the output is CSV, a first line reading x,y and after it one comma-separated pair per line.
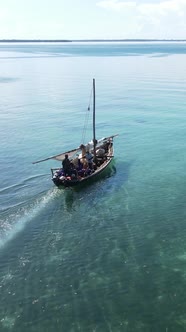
x,y
91,40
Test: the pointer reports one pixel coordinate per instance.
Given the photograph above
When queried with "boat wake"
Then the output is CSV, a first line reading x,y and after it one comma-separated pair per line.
x,y
14,221
24,183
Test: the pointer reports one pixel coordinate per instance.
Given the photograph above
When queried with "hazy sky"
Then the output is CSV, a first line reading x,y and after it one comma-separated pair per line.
x,y
84,19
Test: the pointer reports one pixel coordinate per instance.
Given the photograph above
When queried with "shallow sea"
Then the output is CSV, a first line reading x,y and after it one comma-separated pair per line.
x,y
110,257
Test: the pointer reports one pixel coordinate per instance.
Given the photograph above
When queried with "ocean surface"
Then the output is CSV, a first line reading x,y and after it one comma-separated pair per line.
x,y
112,256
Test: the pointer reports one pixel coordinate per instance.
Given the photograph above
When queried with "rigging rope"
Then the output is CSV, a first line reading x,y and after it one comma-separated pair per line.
x,y
86,119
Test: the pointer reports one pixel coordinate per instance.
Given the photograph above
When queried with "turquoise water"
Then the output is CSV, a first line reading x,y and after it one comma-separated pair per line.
x,y
111,257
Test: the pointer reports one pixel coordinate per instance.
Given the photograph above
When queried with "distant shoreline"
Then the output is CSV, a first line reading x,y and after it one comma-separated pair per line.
x,y
86,40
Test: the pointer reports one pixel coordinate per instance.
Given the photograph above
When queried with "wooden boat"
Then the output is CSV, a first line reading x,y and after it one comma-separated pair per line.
x,y
82,169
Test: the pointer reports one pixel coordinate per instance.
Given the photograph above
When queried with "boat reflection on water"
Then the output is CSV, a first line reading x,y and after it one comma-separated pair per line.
x,y
74,195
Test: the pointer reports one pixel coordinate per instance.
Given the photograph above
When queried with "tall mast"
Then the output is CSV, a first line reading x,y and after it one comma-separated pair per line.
x,y
94,127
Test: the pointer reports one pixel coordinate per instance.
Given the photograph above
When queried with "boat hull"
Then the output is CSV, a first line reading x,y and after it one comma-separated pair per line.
x,y
84,180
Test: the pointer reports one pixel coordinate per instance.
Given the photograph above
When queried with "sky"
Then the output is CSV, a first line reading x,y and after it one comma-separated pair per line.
x,y
92,19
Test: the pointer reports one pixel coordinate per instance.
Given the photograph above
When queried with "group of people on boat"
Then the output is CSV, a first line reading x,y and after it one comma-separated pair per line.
x,y
83,165
72,170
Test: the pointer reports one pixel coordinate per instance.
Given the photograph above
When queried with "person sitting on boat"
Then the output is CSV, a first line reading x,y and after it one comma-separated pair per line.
x,y
80,165
100,152
83,150
106,146
73,170
58,173
66,165
87,172
89,159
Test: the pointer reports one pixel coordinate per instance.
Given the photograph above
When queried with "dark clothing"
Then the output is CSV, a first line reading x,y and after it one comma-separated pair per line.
x,y
73,170
80,165
66,165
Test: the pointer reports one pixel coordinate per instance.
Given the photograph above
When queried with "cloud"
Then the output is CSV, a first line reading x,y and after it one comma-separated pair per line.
x,y
117,5
164,18
178,7
164,8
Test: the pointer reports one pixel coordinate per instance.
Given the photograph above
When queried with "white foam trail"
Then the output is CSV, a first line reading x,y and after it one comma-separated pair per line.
x,y
16,222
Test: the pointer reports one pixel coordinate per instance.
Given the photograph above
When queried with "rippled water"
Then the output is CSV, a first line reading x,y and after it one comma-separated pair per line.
x,y
110,257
